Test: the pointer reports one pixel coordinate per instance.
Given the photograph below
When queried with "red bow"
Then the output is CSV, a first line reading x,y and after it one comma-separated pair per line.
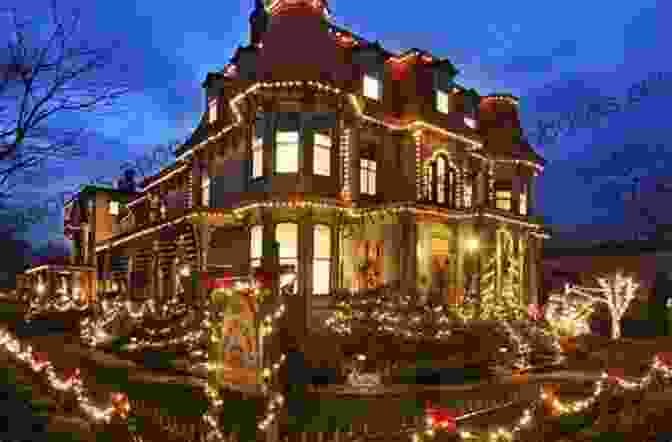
x,y
264,279
615,374
71,374
443,418
535,312
225,282
665,358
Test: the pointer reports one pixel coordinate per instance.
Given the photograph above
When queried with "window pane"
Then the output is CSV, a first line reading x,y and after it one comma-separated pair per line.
x,y
321,270
321,241
322,140
257,160
256,239
321,160
287,158
503,199
114,208
287,235
467,194
442,101
371,87
287,137
372,182
212,110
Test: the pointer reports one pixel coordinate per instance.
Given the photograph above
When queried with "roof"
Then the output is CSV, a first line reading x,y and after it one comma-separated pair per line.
x,y
91,189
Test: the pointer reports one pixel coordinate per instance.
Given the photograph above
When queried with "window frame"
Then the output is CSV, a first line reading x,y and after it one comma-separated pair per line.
x,y
440,93
256,245
322,258
285,144
284,260
369,80
114,207
257,158
322,147
213,111
368,173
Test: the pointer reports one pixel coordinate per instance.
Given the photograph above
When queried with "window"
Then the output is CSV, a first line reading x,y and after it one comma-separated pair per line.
x,y
468,192
258,158
205,190
441,180
321,259
367,176
287,234
114,208
442,101
287,152
212,110
256,245
372,87
503,199
522,206
322,154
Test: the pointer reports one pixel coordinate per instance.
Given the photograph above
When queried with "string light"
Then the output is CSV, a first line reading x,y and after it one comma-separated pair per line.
x,y
73,383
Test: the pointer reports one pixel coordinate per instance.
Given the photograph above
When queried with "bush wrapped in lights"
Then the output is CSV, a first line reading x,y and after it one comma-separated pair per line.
x,y
568,315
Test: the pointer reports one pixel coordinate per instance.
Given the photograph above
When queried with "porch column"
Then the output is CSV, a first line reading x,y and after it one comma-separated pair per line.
x,y
354,161
408,245
156,280
531,194
533,269
129,275
306,266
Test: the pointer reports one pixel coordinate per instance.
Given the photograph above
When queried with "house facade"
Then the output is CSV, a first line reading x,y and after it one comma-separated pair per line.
x,y
365,167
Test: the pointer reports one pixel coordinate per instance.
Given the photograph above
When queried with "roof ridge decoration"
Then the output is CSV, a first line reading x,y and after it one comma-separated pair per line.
x,y
276,7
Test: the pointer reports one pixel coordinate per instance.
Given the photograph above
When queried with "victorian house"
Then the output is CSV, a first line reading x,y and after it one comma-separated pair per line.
x,y
367,168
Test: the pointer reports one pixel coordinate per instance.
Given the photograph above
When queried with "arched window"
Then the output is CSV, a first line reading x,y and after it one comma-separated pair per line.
x,y
287,234
321,259
256,245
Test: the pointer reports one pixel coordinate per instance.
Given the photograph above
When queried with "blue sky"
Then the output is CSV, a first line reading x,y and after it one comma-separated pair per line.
x,y
553,55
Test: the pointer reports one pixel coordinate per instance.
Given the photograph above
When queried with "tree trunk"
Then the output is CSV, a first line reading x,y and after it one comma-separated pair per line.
x,y
615,327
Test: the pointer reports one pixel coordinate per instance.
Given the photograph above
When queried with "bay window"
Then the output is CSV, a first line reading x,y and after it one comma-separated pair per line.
x,y
367,176
256,245
287,235
287,152
322,154
321,259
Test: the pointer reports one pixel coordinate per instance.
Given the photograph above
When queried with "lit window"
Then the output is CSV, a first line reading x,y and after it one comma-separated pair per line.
x,y
205,190
287,152
287,235
371,87
467,193
503,199
522,207
114,208
321,259
212,110
256,245
322,155
258,158
368,176
442,101
441,180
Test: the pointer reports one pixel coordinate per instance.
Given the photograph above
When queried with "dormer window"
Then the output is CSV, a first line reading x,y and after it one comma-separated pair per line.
x,y
212,110
114,208
442,101
372,87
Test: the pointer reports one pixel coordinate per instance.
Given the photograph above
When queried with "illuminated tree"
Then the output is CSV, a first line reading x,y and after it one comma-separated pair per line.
x,y
616,291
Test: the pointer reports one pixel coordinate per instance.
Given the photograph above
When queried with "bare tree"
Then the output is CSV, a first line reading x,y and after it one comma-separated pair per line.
x,y
48,74
616,292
